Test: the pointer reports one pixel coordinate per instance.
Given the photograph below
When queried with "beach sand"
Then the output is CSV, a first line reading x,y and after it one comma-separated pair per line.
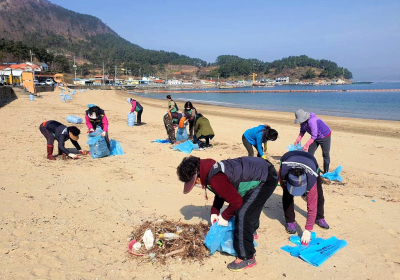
x,y
71,219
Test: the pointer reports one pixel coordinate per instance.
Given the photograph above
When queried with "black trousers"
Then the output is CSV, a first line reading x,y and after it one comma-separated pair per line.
x,y
139,117
325,144
248,216
288,203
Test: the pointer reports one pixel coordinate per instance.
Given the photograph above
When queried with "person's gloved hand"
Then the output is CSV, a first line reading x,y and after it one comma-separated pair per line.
x,y
91,130
306,237
298,140
214,218
264,157
222,221
103,133
71,155
83,152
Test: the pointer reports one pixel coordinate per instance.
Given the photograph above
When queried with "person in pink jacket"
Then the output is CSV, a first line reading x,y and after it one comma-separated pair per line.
x,y
96,117
320,135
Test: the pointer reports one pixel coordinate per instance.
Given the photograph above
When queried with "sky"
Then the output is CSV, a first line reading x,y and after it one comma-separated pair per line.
x,y
361,35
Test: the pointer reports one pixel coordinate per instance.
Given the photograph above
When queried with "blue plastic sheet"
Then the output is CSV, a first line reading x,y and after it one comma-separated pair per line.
x,y
97,144
181,134
68,97
185,147
334,176
220,238
115,148
317,251
74,119
131,119
296,147
161,141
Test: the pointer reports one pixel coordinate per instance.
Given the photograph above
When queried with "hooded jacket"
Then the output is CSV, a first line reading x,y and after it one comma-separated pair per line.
x,y
254,137
316,127
61,134
203,127
231,179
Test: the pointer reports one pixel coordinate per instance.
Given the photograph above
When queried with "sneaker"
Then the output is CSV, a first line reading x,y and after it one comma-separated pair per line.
x,y
291,228
255,235
322,223
240,264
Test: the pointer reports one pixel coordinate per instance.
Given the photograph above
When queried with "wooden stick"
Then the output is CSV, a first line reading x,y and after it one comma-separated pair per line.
x,y
175,252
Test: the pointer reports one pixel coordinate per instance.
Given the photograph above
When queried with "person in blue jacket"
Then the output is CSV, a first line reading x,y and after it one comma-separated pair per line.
x,y
257,136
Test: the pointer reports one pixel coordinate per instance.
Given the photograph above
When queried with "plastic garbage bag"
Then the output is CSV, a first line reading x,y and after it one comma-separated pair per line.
x,y
31,97
74,119
181,134
220,238
91,105
68,97
296,147
115,148
97,144
185,147
63,98
334,176
161,141
317,251
148,239
131,119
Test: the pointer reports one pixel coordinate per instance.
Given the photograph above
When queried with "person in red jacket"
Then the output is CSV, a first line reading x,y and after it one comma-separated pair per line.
x,y
245,183
96,117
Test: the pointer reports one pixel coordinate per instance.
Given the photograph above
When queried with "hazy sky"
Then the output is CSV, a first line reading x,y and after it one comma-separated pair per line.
x,y
362,35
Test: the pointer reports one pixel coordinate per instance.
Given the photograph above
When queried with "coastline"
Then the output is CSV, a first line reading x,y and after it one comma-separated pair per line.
x,y
70,219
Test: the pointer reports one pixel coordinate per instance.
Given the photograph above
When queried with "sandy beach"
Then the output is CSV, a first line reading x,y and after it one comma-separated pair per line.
x,y
70,219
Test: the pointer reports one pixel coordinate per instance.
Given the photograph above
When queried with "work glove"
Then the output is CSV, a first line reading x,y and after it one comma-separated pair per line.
x,y
214,218
298,139
71,155
103,133
264,157
306,237
222,221
91,130
83,152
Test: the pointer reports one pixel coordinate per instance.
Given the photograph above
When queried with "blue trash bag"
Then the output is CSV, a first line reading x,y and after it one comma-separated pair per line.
x,y
334,176
74,119
68,97
161,141
63,98
185,147
31,97
115,148
296,147
220,238
97,144
131,119
91,105
317,251
73,92
181,134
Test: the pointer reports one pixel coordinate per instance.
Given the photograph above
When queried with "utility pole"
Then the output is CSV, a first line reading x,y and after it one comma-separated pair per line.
x,y
115,78
30,52
75,68
102,80
140,75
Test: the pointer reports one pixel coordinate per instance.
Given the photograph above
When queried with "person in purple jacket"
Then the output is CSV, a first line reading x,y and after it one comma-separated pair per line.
x,y
320,135
299,176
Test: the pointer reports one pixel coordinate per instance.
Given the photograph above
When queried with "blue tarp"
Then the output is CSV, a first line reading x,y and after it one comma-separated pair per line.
x,y
185,147
317,251
296,147
161,141
334,176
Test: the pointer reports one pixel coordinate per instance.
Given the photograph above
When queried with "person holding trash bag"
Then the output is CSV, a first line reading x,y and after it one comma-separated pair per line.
x,y
136,107
96,117
245,183
53,130
299,176
190,114
203,130
320,135
256,137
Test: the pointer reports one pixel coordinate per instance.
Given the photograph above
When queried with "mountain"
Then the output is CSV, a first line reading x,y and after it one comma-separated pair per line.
x,y
43,24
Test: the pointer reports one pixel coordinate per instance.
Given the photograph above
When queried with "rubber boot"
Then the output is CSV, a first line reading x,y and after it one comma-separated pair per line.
x,y
50,152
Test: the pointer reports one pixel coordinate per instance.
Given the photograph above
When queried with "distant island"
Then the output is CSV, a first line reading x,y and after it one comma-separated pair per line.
x,y
56,36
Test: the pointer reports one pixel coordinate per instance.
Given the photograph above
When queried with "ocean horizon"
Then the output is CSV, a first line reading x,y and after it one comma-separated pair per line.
x,y
382,105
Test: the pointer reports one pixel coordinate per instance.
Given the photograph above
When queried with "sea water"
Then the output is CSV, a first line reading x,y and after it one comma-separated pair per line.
x,y
383,105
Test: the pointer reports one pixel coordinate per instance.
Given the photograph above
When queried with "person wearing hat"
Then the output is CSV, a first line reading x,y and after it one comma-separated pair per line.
x,y
136,107
320,135
256,137
299,176
96,117
53,130
245,184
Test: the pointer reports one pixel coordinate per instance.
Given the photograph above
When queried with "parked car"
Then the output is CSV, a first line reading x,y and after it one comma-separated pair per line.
x,y
49,82
42,83
36,82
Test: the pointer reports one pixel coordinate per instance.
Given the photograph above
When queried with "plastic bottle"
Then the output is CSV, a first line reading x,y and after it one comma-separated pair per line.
x,y
168,235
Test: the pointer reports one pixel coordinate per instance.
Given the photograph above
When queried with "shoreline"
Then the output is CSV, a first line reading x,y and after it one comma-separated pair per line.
x,y
388,128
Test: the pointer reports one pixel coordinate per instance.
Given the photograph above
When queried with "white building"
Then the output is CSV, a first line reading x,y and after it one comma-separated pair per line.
x,y
174,82
282,80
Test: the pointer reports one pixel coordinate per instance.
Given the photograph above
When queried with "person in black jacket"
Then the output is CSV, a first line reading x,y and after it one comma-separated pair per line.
x,y
53,130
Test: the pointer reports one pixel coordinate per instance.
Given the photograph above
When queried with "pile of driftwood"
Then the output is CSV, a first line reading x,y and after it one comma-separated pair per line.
x,y
187,245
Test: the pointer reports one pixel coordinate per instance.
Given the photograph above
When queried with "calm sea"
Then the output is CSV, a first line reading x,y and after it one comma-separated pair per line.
x,y
367,105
